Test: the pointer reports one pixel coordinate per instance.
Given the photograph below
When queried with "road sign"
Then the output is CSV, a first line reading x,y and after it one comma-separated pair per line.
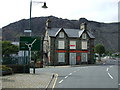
x,y
30,43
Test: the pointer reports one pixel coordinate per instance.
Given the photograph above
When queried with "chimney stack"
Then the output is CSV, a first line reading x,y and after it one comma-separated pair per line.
x,y
48,24
83,26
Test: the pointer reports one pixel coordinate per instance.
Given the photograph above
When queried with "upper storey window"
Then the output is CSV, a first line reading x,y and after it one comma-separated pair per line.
x,y
61,34
61,44
84,36
84,44
72,44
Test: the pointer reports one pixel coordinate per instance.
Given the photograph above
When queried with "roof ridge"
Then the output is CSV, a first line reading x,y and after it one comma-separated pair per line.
x,y
53,32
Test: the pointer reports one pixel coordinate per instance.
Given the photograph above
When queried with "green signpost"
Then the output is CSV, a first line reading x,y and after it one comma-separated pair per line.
x,y
30,43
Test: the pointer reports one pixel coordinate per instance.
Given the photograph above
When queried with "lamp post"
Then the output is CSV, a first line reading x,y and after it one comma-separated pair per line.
x,y
44,6
30,27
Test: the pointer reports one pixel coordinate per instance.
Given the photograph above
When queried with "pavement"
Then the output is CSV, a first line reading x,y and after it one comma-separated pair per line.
x,y
41,80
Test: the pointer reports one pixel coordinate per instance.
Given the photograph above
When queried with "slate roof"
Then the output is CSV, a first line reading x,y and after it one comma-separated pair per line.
x,y
70,32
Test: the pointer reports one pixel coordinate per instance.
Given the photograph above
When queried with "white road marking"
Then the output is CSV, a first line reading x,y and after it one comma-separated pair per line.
x,y
84,67
70,74
107,69
66,76
119,84
111,66
110,75
55,81
61,81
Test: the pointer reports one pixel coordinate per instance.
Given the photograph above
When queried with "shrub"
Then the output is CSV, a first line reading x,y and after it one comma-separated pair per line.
x,y
20,68
5,70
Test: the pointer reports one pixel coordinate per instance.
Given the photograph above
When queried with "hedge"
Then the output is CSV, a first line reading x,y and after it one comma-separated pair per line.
x,y
5,70
20,68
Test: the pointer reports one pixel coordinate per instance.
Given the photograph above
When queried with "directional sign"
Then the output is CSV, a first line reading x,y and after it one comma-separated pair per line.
x,y
30,43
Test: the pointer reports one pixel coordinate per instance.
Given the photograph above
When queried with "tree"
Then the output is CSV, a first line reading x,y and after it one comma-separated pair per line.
x,y
8,48
99,49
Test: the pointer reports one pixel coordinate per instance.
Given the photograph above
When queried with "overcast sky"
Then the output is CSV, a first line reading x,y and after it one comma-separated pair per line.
x,y
96,10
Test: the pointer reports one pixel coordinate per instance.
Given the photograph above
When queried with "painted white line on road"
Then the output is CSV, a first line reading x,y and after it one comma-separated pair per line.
x,y
66,76
70,74
107,69
119,84
111,66
84,67
61,81
110,75
75,71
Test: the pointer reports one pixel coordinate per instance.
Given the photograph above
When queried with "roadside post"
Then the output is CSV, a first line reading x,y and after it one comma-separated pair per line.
x,y
94,58
30,44
34,62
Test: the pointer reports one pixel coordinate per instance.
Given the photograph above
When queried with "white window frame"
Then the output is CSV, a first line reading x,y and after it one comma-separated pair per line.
x,y
61,57
84,45
72,43
72,60
84,36
61,44
61,34
84,56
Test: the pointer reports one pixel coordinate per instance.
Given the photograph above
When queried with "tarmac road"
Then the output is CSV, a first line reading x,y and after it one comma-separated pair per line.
x,y
97,76
89,77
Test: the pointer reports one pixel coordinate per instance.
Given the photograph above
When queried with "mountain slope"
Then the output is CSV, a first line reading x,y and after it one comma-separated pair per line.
x,y
105,33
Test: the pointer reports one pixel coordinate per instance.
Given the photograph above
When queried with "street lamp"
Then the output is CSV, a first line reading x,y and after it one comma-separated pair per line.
x,y
44,6
30,28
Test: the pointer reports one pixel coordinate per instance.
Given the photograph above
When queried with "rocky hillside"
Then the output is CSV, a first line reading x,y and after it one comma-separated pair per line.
x,y
105,33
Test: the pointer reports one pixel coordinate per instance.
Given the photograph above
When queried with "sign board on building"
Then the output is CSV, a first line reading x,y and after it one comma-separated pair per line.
x,y
72,44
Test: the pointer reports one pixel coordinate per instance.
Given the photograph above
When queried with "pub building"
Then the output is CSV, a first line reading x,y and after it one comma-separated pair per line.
x,y
64,46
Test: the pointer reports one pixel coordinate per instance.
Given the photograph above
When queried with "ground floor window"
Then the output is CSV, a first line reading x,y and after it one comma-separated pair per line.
x,y
84,57
61,57
72,60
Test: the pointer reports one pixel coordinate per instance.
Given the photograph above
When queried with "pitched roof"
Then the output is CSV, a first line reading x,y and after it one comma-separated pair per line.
x,y
70,32
90,35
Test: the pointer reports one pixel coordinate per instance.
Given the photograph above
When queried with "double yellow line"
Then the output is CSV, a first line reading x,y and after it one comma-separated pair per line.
x,y
56,76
